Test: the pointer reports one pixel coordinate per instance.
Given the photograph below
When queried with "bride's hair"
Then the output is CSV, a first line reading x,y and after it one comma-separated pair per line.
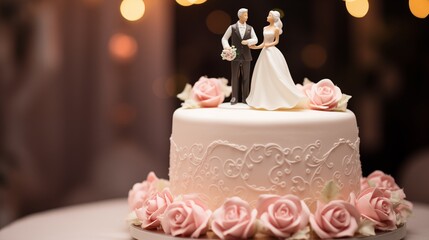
x,y
277,22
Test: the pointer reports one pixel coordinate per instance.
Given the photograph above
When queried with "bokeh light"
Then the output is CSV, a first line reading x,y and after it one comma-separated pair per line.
x,y
122,47
218,21
165,88
132,10
200,1
314,56
419,8
124,114
357,8
282,13
185,3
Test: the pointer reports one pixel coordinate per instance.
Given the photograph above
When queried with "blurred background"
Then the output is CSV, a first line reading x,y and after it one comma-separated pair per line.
x,y
87,87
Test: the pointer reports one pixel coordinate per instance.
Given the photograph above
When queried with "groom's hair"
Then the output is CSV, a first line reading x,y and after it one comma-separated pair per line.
x,y
241,11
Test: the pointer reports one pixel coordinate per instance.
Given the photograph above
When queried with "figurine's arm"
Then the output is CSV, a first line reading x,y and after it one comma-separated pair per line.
x,y
276,39
252,40
262,45
225,38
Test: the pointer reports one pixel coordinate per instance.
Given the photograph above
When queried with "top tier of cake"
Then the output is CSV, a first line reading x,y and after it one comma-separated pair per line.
x,y
238,151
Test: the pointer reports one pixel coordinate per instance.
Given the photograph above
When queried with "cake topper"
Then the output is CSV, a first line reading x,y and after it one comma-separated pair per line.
x,y
272,84
242,36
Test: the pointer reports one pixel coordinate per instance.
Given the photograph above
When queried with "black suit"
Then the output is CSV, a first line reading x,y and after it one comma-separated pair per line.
x,y
240,66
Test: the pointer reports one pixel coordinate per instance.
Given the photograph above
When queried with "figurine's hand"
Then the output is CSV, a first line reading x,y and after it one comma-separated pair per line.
x,y
257,46
244,42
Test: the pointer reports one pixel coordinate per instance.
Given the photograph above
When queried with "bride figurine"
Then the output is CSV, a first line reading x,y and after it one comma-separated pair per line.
x,y
272,86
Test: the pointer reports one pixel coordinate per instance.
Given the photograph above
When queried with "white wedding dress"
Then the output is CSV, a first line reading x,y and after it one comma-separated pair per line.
x,y
272,85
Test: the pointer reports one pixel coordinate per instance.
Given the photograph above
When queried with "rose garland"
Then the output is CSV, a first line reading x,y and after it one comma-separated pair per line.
x,y
381,205
211,92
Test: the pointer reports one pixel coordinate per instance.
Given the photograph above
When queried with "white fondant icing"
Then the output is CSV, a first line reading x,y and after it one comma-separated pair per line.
x,y
236,151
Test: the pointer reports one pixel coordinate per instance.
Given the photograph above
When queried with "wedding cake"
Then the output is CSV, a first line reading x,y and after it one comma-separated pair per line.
x,y
280,161
237,172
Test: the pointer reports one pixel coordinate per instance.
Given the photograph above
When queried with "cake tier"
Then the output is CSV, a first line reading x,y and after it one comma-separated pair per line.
x,y
237,151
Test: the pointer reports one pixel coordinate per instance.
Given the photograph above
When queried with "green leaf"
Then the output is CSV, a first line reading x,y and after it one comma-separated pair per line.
x,y
366,228
330,191
302,234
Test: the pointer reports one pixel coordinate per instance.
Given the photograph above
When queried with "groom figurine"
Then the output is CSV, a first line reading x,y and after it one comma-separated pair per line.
x,y
242,36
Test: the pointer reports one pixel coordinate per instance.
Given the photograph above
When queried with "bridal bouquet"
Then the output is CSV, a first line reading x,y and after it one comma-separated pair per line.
x,y
229,54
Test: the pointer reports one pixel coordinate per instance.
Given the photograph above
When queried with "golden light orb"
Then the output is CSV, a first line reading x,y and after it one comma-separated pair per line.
x,y
165,87
419,8
122,47
124,114
185,3
132,10
357,8
218,21
200,1
314,56
282,13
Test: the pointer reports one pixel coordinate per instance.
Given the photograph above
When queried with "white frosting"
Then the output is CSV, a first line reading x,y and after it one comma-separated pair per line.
x,y
237,151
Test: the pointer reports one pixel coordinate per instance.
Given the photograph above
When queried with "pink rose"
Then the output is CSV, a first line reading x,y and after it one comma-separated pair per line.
x,y
306,87
380,180
282,216
140,192
323,95
186,218
336,219
153,208
208,92
234,220
374,204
